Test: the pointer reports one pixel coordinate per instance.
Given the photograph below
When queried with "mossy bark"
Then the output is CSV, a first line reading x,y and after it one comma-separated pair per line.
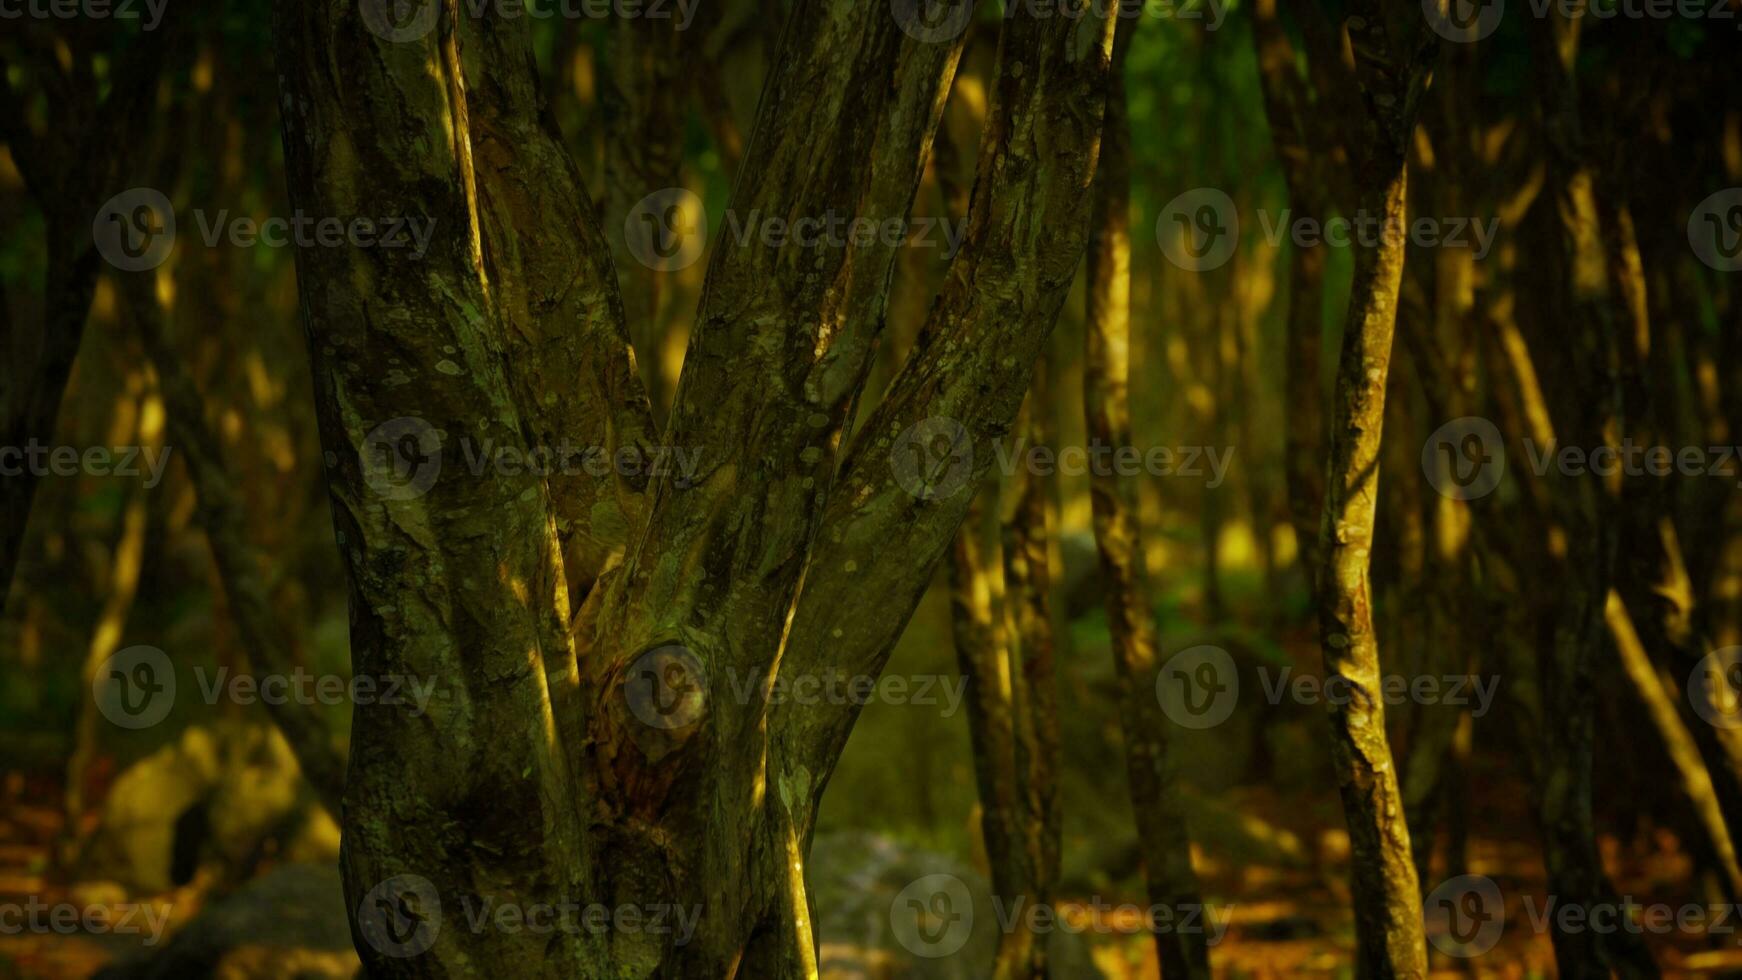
x,y
531,600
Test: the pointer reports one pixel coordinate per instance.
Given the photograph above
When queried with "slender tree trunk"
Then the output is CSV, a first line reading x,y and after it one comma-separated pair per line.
x,y
1286,103
1447,383
981,630
1028,535
1684,754
1162,835
1583,550
1387,902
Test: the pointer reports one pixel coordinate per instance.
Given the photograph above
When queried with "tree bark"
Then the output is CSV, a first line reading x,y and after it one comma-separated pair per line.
x,y
545,605
1162,835
1387,900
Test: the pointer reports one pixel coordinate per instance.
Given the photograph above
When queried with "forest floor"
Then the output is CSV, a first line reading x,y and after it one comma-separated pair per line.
x,y
1283,921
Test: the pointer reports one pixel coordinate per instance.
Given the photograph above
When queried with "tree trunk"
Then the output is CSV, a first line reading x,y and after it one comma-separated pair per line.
x,y
1285,104
1585,406
1387,901
1162,835
587,742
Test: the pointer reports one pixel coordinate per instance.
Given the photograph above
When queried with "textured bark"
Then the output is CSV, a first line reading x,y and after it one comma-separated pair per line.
x,y
468,583
531,779
1387,912
1163,838
1027,224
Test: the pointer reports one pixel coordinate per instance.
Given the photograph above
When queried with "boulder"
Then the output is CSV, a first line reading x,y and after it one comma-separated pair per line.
x,y
288,924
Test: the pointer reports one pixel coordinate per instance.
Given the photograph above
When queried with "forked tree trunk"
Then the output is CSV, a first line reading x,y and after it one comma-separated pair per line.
x,y
587,742
1386,894
1162,836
